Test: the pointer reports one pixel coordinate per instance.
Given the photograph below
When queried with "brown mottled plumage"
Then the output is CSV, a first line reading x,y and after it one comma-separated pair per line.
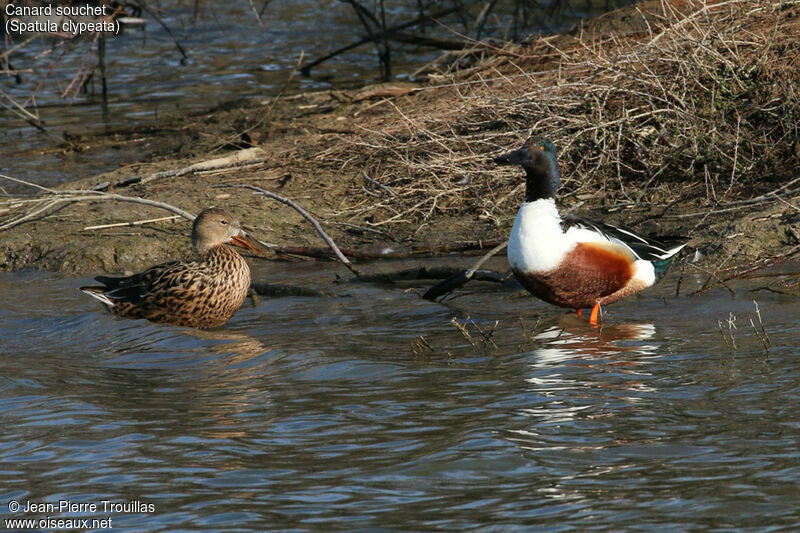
x,y
201,294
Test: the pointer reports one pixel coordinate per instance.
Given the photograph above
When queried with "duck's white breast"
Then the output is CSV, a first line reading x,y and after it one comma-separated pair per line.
x,y
537,242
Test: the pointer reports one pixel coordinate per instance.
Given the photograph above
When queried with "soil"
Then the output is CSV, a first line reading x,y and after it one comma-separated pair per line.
x,y
318,147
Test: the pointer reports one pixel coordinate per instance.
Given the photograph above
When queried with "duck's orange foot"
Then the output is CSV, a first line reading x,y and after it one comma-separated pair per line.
x,y
579,312
595,314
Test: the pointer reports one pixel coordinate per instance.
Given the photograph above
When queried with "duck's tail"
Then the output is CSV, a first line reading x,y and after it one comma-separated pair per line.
x,y
661,265
99,294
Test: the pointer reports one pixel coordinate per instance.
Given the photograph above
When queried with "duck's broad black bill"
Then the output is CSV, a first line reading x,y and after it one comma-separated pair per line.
x,y
517,157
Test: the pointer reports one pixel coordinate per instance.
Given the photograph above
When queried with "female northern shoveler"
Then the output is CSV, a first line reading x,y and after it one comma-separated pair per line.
x,y
574,264
201,294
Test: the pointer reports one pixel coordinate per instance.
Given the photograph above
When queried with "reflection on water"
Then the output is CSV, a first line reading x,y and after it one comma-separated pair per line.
x,y
316,413
575,343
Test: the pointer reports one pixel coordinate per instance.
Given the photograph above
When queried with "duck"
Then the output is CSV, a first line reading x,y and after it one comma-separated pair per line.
x,y
576,263
202,293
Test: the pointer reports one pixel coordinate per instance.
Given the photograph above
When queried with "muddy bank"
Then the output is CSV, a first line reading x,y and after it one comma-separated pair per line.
x,y
672,118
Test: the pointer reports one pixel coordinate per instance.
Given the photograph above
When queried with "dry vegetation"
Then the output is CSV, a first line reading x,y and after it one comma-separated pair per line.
x,y
698,104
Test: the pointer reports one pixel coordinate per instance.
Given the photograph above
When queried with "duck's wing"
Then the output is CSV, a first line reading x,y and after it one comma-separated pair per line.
x,y
133,289
652,249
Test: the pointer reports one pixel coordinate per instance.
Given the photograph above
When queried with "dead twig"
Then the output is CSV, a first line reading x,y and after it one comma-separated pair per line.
x,y
53,197
728,338
325,237
486,334
241,158
131,224
20,111
760,331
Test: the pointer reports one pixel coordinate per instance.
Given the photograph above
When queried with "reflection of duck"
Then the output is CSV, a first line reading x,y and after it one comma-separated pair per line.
x,y
571,370
182,382
238,347
575,264
571,338
202,294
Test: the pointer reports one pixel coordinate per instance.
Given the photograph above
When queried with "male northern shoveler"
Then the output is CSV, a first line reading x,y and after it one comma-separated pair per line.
x,y
201,294
575,264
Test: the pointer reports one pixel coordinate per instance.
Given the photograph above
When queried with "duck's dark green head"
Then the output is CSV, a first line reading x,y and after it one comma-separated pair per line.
x,y
539,158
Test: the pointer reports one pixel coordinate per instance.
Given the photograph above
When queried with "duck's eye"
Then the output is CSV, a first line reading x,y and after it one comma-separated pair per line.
x,y
541,147
223,221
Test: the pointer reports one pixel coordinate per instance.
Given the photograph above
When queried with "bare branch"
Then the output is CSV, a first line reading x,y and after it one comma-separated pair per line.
x,y
346,262
55,197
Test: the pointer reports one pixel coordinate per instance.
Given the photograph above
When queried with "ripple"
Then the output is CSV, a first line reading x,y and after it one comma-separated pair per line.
x,y
303,414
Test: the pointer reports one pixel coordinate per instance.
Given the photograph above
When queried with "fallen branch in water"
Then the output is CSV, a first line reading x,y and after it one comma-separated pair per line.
x,y
424,272
147,9
787,287
383,33
21,112
325,237
280,291
416,251
460,279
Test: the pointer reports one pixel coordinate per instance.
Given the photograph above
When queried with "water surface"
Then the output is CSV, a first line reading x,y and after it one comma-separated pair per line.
x,y
307,413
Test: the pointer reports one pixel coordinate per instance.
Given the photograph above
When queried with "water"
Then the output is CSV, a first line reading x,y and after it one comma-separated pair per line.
x,y
307,413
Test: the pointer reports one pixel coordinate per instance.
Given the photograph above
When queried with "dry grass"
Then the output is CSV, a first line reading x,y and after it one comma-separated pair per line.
x,y
700,105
